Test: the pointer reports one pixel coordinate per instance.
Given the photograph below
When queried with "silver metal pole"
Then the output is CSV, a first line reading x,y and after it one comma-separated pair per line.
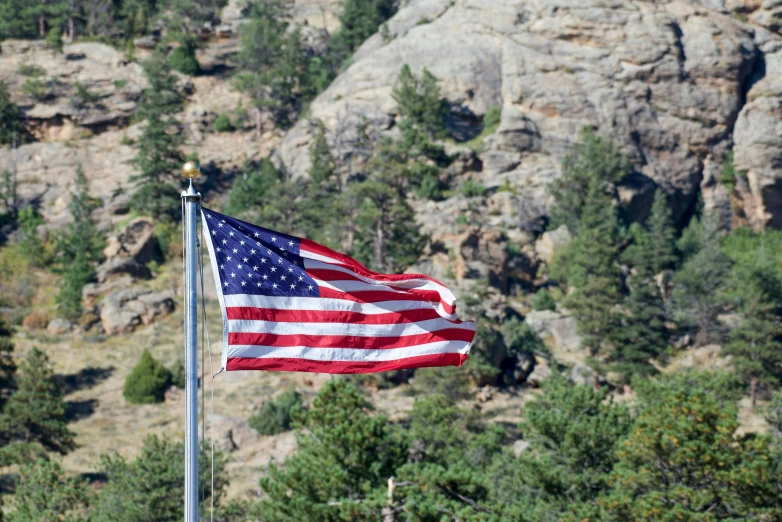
x,y
191,199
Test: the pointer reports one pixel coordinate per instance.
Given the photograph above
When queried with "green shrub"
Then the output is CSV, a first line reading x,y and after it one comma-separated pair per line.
x,y
147,382
223,123
183,59
54,39
36,88
120,83
472,189
430,188
179,375
275,416
543,301
452,382
83,94
30,70
491,120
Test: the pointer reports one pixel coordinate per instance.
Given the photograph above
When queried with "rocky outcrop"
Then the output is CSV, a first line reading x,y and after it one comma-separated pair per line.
x,y
123,310
131,251
667,80
88,88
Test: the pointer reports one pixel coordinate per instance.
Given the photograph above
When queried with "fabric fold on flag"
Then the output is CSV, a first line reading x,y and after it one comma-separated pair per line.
x,y
290,304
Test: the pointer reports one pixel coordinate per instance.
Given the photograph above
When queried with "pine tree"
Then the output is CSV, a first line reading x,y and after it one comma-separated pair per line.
x,y
343,453
594,274
683,460
386,232
44,493
150,488
572,433
30,240
643,335
158,156
7,364
700,285
275,416
662,234
48,14
272,64
756,343
10,121
322,165
420,101
80,247
249,191
35,413
359,20
595,159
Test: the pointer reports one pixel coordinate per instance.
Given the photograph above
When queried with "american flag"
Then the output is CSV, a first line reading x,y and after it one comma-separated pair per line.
x,y
290,304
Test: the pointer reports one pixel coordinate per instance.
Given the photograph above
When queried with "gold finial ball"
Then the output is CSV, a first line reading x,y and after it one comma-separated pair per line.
x,y
191,170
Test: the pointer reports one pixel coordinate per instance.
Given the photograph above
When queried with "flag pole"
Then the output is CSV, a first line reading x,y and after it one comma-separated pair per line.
x,y
190,200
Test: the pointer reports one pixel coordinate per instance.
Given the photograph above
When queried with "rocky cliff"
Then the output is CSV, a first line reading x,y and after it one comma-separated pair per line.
x,y
678,84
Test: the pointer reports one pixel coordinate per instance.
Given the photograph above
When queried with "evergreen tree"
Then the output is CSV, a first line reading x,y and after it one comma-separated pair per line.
x,y
359,20
595,160
449,451
30,240
662,234
322,165
7,364
700,285
184,20
386,232
756,343
158,156
249,192
344,453
272,64
682,459
150,488
80,247
35,413
10,121
572,432
275,416
420,101
594,274
147,382
44,493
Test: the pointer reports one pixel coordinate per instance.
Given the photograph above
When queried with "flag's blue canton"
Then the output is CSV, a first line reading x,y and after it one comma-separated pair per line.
x,y
254,260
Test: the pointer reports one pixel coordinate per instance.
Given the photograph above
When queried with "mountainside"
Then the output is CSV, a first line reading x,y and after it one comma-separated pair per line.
x,y
677,104
677,84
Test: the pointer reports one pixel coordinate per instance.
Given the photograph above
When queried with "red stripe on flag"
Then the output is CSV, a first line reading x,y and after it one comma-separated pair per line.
x,y
343,367
378,296
330,316
346,341
310,246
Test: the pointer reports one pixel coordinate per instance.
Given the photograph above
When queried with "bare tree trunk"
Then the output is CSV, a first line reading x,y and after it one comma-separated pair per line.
x,y
596,381
379,244
388,511
753,393
71,29
258,122
42,22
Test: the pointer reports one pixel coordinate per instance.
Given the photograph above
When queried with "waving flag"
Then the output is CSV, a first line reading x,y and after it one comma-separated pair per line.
x,y
290,304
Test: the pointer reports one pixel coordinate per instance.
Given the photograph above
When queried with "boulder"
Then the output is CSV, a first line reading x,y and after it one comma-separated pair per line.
x,y
519,447
552,242
130,251
122,311
540,373
58,326
233,433
560,334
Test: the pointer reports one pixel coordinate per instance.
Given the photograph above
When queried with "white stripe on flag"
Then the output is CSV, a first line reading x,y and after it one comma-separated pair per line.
x,y
346,329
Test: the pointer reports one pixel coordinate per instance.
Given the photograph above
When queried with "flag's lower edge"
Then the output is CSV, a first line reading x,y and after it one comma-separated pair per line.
x,y
343,367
